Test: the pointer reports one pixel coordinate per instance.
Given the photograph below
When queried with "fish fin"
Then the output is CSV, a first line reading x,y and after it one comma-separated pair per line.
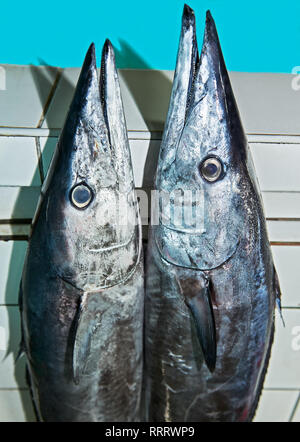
x,y
21,351
84,327
198,300
197,349
277,290
29,383
20,297
262,376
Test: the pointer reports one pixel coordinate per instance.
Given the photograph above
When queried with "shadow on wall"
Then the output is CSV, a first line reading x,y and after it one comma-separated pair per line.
x,y
151,95
128,58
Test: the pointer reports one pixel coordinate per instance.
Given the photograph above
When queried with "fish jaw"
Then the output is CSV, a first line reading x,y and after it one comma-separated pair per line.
x,y
187,58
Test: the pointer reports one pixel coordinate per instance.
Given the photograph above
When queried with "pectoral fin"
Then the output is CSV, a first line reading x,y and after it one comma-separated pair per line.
x,y
85,324
277,294
198,299
21,351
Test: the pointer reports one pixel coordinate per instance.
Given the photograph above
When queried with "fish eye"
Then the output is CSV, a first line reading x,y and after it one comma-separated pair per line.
x,y
81,196
211,169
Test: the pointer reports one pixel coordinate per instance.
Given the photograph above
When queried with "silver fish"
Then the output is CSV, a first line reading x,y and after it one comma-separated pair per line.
x,y
211,286
82,290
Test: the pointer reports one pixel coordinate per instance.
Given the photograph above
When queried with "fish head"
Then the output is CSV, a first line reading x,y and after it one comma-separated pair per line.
x,y
90,206
203,159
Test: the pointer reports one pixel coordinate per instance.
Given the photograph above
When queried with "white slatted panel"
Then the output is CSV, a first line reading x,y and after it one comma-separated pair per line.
x,y
26,94
287,262
277,166
284,231
18,162
281,204
32,111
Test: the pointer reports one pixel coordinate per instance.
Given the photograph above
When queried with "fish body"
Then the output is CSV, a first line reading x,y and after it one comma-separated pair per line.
x,y
81,295
211,286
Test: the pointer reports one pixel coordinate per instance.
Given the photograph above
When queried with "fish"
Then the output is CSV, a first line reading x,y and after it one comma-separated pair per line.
x,y
82,288
211,285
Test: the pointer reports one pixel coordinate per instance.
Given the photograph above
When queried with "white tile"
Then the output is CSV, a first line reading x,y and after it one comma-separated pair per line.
x,y
12,231
275,406
146,96
61,100
144,154
26,91
283,231
18,162
284,367
267,102
16,406
20,202
12,254
277,166
11,375
47,146
281,204
287,259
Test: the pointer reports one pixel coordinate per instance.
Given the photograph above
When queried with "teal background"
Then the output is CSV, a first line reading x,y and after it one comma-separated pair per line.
x,y
256,35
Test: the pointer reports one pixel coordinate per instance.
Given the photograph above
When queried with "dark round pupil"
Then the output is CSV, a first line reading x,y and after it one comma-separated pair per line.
x,y
210,169
81,194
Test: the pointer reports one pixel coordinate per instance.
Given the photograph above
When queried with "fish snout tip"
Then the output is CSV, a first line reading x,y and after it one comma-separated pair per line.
x,y
107,47
92,50
211,38
209,17
188,16
210,26
90,58
108,54
107,43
